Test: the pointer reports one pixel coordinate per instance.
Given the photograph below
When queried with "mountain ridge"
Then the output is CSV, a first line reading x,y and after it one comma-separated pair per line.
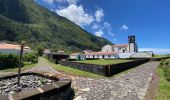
x,y
29,21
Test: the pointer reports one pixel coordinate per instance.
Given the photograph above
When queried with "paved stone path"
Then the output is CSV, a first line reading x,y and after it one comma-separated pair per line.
x,y
43,67
129,86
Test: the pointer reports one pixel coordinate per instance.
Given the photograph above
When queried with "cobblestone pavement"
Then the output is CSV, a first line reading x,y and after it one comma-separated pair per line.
x,y
132,85
129,86
43,67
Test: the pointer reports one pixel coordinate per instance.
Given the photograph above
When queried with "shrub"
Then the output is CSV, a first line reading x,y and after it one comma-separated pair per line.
x,y
8,60
165,66
31,57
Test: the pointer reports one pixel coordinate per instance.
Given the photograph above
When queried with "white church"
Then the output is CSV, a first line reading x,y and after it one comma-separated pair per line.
x,y
119,51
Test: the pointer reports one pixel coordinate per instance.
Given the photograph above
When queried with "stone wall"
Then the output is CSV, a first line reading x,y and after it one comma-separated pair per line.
x,y
105,70
117,68
59,90
93,68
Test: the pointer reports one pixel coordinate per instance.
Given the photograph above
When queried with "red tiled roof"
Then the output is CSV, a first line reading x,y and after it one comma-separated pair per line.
x,y
120,45
11,46
101,53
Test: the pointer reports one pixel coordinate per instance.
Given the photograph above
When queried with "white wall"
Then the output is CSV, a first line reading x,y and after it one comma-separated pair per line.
x,y
72,56
125,55
141,55
107,48
12,51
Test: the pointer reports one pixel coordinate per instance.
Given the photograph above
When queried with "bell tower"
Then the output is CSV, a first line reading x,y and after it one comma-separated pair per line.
x,y
132,44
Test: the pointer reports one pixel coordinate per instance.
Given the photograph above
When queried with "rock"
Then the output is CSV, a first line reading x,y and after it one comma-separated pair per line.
x,y
9,86
78,98
85,89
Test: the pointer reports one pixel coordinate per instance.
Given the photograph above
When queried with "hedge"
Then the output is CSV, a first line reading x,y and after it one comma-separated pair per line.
x,y
8,60
165,66
12,60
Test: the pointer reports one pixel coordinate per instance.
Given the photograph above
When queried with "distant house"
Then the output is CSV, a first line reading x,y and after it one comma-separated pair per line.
x,y
102,55
56,57
115,51
77,56
129,50
6,48
116,48
87,51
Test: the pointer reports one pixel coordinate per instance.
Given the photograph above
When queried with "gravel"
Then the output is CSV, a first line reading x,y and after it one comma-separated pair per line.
x,y
9,86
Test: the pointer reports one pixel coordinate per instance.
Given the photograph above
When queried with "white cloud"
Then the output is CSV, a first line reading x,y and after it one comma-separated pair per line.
x,y
99,14
60,1
104,27
108,27
72,1
124,27
156,50
99,33
96,26
76,14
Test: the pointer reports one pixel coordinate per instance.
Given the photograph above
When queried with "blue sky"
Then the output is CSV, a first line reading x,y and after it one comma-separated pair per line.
x,y
115,20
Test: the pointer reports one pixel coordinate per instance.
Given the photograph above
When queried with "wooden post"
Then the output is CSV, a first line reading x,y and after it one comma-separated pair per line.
x,y
20,63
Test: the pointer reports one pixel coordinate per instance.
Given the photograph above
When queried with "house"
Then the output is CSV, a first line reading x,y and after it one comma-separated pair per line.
x,y
7,48
115,51
56,57
77,56
102,55
116,48
118,51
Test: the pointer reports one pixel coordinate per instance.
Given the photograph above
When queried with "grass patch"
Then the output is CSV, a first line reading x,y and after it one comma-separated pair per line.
x,y
160,56
163,92
104,62
83,73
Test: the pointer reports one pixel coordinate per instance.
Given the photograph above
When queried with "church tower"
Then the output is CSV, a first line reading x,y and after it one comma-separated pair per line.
x,y
132,44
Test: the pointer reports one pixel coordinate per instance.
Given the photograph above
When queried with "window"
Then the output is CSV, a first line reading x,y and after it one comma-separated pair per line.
x,y
109,56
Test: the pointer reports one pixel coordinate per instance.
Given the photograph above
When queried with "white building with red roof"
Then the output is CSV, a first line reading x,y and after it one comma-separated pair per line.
x,y
115,51
7,48
118,51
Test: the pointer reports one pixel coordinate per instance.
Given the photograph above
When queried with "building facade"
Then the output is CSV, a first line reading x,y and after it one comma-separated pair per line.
x,y
115,51
6,48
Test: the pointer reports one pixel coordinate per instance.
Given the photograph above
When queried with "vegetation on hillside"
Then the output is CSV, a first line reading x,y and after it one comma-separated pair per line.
x,y
39,27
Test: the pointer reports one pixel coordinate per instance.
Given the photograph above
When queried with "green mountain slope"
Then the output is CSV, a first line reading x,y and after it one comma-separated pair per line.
x,y
26,20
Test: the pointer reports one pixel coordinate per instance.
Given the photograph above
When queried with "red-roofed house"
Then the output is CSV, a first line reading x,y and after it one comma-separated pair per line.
x,y
12,48
115,51
102,55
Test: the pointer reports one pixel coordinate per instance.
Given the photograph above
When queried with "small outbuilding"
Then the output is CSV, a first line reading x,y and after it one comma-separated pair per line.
x,y
56,57
78,56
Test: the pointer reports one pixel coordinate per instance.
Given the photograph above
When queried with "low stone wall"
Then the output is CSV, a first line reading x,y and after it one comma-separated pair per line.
x,y
117,68
105,70
93,68
59,90
158,59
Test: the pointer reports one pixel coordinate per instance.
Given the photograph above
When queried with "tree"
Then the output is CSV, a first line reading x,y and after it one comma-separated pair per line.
x,y
20,62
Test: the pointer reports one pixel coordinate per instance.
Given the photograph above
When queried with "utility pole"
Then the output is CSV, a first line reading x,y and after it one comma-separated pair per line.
x,y
20,63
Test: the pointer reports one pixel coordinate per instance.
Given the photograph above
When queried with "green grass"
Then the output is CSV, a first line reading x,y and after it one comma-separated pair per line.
x,y
83,73
25,67
163,92
104,62
160,56
74,71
